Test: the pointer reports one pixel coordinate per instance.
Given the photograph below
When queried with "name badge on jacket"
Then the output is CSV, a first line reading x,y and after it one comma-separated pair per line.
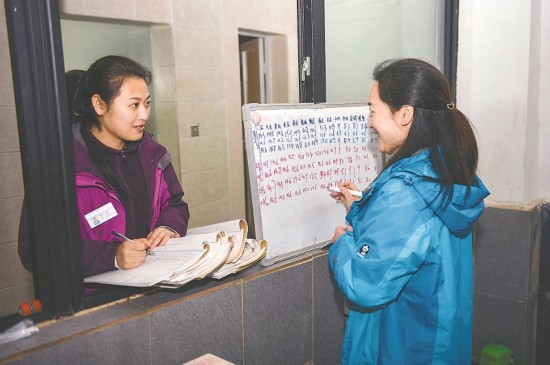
x,y
101,215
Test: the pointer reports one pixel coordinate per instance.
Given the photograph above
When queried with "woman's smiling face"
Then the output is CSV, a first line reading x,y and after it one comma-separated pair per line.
x,y
126,117
392,128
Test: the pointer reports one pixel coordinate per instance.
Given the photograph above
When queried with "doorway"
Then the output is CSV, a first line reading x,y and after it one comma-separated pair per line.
x,y
253,90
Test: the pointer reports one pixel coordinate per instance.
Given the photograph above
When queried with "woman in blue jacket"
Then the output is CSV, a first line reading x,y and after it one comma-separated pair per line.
x,y
405,260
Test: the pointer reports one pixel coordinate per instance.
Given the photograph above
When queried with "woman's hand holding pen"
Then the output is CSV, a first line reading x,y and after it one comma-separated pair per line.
x,y
344,195
131,253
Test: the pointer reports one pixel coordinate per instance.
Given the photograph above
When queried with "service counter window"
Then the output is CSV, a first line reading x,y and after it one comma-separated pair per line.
x,y
334,36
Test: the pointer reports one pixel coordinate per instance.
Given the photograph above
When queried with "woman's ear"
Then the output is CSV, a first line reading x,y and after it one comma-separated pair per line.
x,y
406,114
99,105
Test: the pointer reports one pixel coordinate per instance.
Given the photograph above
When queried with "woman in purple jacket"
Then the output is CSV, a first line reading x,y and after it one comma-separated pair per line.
x,y
125,181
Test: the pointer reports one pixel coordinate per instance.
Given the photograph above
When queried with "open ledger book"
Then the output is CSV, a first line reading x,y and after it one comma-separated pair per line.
x,y
216,251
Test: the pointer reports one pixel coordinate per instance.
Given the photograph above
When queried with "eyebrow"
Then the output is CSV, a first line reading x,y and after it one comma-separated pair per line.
x,y
138,98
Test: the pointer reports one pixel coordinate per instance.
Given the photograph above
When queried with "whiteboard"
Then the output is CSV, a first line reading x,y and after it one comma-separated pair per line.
x,y
294,153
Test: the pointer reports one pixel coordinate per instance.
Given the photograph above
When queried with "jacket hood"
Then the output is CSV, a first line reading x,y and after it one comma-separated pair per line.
x,y
464,208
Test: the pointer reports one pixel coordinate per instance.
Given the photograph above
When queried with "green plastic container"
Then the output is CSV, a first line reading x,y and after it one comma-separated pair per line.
x,y
496,354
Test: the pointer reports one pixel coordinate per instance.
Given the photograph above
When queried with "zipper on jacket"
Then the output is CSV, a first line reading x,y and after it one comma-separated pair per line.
x,y
151,178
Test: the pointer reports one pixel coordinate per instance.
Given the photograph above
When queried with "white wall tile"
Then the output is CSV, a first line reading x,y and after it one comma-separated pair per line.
x,y
162,45
164,83
202,153
13,273
217,211
12,176
72,7
210,116
7,95
10,211
158,11
9,138
110,9
12,296
202,15
199,83
206,186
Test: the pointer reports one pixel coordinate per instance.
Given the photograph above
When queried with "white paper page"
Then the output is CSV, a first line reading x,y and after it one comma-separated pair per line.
x,y
156,267
188,242
229,227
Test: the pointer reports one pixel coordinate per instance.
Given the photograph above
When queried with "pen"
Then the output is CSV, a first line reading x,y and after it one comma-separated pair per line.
x,y
121,236
356,193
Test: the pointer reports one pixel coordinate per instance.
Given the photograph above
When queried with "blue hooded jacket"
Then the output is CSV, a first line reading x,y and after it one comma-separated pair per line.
x,y
407,268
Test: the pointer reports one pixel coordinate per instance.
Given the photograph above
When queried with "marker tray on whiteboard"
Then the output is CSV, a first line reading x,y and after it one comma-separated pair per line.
x,y
294,153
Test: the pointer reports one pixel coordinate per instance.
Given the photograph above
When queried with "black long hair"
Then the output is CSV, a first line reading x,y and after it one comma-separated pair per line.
x,y
104,78
437,124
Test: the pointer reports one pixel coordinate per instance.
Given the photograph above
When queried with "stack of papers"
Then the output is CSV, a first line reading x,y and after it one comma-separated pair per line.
x,y
254,251
217,251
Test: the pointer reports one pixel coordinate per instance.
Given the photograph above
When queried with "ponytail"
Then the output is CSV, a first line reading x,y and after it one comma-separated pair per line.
x,y
80,105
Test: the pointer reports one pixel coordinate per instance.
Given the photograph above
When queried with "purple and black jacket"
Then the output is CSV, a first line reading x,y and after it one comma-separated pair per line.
x,y
98,244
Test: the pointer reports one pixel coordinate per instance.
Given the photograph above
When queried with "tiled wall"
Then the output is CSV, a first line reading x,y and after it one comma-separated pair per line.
x,y
290,313
15,281
167,131
506,253
543,306
197,81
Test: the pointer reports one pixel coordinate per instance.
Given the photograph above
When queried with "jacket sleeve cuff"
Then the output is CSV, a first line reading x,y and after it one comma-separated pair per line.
x,y
169,228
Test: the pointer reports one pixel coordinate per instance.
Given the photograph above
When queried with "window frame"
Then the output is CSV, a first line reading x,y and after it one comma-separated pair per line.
x,y
34,36
45,139
311,43
36,52
450,46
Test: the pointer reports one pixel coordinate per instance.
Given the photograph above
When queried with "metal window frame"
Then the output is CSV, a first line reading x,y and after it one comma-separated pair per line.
x,y
34,35
450,49
311,43
36,51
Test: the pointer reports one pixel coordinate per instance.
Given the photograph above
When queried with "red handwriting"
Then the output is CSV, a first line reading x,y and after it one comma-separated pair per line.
x,y
297,157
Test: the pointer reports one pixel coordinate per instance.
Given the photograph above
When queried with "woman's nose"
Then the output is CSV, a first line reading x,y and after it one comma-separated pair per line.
x,y
144,112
